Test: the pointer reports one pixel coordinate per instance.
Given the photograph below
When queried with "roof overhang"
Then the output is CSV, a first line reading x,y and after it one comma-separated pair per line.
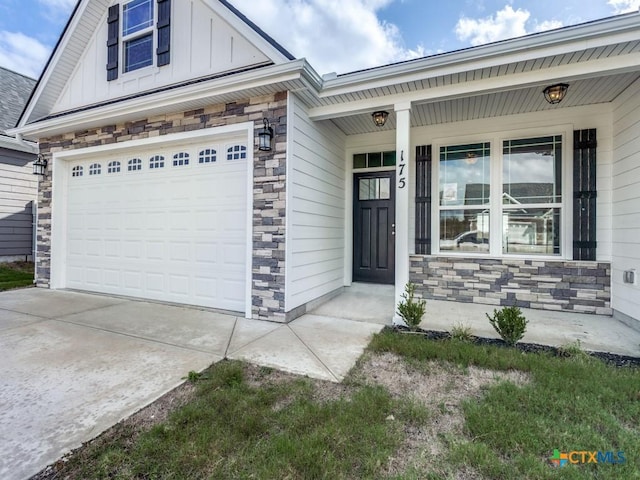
x,y
18,144
291,76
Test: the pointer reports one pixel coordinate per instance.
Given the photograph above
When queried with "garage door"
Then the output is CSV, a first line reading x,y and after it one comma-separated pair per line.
x,y
166,224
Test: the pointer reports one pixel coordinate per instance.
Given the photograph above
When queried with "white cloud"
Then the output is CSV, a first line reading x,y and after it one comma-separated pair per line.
x,y
22,54
66,5
333,35
506,23
624,6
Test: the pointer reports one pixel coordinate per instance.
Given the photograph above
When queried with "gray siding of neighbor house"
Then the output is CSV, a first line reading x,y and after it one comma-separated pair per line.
x,y
18,187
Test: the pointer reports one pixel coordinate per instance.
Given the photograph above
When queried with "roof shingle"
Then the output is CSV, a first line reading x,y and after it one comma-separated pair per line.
x,y
14,94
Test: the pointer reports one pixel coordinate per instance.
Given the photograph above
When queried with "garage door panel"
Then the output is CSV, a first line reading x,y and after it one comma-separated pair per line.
x,y
174,234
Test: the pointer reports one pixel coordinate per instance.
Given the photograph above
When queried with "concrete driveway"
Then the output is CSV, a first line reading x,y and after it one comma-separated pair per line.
x,y
74,364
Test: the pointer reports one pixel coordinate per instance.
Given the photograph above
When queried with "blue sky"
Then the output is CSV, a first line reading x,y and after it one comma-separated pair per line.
x,y
334,35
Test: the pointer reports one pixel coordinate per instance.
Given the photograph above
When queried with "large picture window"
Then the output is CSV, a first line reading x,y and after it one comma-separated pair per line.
x,y
464,191
532,195
521,215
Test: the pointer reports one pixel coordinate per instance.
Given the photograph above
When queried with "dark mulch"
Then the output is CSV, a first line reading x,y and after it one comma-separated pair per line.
x,y
610,358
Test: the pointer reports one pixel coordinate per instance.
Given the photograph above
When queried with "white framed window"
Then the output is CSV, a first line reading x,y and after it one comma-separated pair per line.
x,y
138,17
502,197
95,169
532,195
134,165
208,155
155,162
237,152
114,167
77,171
181,159
464,186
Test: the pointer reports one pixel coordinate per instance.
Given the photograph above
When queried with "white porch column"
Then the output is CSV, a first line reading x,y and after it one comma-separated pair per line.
x,y
403,155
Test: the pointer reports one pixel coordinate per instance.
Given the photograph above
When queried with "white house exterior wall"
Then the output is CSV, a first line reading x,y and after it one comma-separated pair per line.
x,y
626,200
202,44
315,208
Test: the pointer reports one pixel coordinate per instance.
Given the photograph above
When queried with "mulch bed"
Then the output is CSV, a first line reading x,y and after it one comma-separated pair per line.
x,y
610,358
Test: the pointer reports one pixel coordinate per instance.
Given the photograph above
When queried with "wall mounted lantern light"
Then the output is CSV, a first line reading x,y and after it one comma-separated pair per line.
x,y
555,93
380,118
264,136
40,166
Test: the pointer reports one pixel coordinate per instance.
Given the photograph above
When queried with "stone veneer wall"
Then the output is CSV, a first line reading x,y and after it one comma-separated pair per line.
x,y
581,287
269,186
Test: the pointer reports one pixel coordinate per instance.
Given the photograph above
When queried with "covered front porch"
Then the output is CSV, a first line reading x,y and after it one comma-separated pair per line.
x,y
498,196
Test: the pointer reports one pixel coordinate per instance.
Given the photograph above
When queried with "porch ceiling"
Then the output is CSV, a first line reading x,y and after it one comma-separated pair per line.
x,y
581,92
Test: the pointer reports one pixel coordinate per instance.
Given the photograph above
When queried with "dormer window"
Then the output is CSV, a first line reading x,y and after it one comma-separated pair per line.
x,y
137,34
132,29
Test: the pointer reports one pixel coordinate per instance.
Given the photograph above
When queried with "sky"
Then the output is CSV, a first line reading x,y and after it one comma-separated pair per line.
x,y
334,35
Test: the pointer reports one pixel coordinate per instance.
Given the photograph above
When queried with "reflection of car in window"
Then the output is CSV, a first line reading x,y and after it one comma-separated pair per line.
x,y
472,238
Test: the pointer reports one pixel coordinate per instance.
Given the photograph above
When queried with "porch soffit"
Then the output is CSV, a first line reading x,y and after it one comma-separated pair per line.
x,y
525,100
568,67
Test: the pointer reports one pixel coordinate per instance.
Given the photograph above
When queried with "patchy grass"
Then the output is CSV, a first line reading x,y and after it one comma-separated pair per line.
x,y
16,275
571,404
411,409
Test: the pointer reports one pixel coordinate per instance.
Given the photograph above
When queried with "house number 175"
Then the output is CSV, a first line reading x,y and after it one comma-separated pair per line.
x,y
402,180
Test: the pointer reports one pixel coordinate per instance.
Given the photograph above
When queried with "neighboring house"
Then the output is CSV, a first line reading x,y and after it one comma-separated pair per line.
x,y
18,186
149,116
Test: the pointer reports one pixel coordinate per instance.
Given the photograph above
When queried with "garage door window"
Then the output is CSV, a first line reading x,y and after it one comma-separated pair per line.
x,y
157,161
181,159
77,171
95,169
113,167
208,155
237,152
135,164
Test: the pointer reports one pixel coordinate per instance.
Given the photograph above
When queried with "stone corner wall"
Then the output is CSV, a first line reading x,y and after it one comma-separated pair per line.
x,y
269,185
573,286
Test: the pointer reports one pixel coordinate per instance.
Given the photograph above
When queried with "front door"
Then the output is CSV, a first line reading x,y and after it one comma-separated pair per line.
x,y
374,209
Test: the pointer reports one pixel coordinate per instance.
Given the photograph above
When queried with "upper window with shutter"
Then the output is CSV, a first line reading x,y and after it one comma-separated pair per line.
x,y
141,32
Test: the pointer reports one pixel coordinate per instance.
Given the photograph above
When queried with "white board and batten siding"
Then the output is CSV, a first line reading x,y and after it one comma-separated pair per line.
x,y
315,208
18,191
202,44
165,221
626,200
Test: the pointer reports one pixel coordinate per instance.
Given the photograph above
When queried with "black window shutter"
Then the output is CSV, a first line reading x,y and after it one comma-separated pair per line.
x,y
113,25
584,192
423,200
164,32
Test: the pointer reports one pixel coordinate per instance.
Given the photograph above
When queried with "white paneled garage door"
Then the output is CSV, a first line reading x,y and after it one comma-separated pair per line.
x,y
165,223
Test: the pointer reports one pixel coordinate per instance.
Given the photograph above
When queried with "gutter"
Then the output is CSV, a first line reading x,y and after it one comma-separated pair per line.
x,y
165,98
18,144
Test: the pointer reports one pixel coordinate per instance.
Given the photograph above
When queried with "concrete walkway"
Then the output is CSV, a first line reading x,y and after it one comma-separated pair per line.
x,y
375,304
75,364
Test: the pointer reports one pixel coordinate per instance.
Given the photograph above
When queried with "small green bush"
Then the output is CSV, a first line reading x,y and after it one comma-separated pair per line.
x,y
409,309
509,323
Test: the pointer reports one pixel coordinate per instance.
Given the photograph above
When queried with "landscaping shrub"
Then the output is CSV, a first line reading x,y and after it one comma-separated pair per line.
x,y
510,324
409,309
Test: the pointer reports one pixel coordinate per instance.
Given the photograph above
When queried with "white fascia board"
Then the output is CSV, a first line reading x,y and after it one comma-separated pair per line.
x,y
52,65
283,73
12,143
570,39
567,73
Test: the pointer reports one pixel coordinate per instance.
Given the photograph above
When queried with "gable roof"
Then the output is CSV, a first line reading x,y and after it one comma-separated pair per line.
x,y
16,89
77,33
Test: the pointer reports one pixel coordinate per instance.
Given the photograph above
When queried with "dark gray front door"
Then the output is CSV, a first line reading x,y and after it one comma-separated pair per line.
x,y
373,230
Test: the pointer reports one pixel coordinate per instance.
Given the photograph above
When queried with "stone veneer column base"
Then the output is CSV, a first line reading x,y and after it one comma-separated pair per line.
x,y
572,286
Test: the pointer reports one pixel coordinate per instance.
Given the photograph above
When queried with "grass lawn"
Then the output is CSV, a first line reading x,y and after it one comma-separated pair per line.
x,y
15,275
249,422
